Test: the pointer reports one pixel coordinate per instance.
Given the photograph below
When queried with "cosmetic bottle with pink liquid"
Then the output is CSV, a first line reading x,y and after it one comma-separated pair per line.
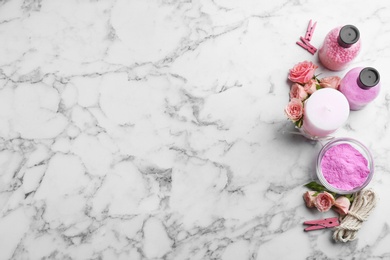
x,y
340,47
360,86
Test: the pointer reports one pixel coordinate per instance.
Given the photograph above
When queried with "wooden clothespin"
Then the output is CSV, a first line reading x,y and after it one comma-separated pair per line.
x,y
322,223
310,30
305,42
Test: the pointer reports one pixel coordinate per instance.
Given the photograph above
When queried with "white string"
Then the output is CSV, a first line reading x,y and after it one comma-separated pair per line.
x,y
363,204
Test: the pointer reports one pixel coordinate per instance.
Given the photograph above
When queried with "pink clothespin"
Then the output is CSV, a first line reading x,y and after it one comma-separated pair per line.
x,y
306,41
310,30
322,223
307,46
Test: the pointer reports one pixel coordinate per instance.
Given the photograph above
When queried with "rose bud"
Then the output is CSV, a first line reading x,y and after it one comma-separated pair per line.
x,y
311,86
297,91
341,205
330,82
309,198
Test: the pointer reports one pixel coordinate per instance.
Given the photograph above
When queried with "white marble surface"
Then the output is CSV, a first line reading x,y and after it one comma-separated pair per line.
x,y
155,129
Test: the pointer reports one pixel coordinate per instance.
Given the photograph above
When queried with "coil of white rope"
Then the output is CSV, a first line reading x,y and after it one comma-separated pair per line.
x,y
363,204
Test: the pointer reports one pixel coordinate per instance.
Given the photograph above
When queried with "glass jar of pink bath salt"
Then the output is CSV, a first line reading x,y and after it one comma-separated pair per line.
x,y
360,86
345,166
340,47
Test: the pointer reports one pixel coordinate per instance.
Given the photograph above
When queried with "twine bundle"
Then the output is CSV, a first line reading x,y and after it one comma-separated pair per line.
x,y
361,207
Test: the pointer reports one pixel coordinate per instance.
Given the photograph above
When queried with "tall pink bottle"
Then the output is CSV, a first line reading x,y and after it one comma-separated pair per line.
x,y
341,46
360,86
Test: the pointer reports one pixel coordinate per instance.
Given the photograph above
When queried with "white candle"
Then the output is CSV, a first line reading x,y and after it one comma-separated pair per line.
x,y
325,111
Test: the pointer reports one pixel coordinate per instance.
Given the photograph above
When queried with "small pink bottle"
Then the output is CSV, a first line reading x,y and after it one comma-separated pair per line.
x,y
341,46
360,86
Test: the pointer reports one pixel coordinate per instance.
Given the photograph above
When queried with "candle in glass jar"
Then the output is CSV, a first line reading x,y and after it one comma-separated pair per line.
x,y
325,111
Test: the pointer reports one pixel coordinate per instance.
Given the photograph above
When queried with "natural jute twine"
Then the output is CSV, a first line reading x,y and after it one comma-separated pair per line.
x,y
361,208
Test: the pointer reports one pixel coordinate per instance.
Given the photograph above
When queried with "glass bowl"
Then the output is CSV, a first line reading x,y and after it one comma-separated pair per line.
x,y
334,162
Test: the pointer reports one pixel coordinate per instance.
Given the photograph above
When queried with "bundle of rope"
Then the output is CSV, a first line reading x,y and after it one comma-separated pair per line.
x,y
363,204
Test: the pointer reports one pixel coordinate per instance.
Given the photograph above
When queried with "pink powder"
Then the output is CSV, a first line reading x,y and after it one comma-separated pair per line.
x,y
335,57
344,167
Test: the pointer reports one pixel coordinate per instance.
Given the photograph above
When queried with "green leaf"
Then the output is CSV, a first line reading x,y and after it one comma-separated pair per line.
x,y
299,123
315,77
315,186
350,197
318,87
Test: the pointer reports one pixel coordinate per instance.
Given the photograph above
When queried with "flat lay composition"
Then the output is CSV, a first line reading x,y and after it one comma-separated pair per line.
x,y
194,129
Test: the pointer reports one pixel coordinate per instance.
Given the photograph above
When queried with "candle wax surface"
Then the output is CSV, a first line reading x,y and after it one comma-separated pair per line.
x,y
325,111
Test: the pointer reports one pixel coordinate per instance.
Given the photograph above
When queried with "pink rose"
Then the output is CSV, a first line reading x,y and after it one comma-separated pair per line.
x,y
297,91
309,198
302,72
341,205
330,82
324,201
294,109
311,86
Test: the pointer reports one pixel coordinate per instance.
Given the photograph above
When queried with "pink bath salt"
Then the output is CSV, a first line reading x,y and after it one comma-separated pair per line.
x,y
344,167
335,57
357,97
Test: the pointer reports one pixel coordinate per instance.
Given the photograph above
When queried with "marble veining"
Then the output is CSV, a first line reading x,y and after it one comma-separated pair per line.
x,y
155,129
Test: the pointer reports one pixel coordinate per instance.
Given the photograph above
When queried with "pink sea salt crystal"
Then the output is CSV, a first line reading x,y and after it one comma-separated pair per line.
x,y
344,167
336,54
